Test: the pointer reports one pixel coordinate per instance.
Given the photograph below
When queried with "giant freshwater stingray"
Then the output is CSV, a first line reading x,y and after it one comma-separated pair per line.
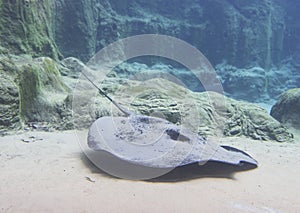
x,y
153,142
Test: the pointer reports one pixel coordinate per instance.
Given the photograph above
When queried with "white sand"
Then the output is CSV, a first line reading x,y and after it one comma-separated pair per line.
x,y
50,176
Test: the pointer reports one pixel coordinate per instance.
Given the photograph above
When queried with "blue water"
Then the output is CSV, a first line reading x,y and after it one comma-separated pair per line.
x,y
254,46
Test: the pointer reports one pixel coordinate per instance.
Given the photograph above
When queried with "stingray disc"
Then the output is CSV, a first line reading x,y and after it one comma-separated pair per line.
x,y
157,143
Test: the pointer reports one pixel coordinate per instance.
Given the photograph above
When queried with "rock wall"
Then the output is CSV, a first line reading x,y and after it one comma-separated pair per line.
x,y
287,109
38,93
207,113
32,91
84,26
253,35
244,33
9,98
26,27
241,32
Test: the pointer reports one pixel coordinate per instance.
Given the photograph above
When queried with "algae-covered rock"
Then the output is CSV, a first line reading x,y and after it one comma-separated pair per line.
x,y
253,121
84,26
33,91
256,84
246,84
27,27
243,33
71,67
43,93
207,113
10,118
287,108
9,103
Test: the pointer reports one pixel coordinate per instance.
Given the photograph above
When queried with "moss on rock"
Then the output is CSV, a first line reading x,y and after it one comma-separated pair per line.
x,y
208,113
29,85
26,27
253,121
42,92
9,103
287,108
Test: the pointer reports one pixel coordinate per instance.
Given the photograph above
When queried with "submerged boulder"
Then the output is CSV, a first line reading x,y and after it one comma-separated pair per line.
x,y
41,94
33,91
256,84
253,121
244,84
287,108
71,67
27,27
44,96
9,96
207,113
9,103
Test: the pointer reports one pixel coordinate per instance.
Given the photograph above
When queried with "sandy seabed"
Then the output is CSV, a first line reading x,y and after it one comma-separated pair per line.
x,y
53,175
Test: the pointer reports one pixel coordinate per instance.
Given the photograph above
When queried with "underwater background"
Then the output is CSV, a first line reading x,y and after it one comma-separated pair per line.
x,y
254,47
49,111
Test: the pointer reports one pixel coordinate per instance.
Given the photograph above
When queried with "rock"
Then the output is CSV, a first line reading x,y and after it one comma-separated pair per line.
x,y
244,84
72,67
42,99
207,113
256,84
9,103
27,27
259,33
256,33
127,70
214,27
253,121
287,108
9,96
31,139
253,84
83,27
140,71
44,96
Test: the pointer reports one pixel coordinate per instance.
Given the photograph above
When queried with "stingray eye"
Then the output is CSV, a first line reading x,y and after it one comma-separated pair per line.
x,y
175,135
144,120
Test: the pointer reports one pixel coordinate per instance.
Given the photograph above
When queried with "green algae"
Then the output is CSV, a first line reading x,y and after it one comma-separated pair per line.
x,y
29,88
50,76
42,92
27,28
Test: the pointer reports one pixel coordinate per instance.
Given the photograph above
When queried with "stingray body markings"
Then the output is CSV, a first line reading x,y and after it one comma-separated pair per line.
x,y
155,142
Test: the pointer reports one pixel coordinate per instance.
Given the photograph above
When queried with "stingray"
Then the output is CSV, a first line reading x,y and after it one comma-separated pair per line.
x,y
154,142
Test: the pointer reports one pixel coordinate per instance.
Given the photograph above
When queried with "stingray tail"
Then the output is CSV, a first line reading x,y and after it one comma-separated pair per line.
x,y
121,108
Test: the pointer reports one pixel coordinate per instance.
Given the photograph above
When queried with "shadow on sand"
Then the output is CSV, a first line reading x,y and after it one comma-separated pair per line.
x,y
209,170
183,173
